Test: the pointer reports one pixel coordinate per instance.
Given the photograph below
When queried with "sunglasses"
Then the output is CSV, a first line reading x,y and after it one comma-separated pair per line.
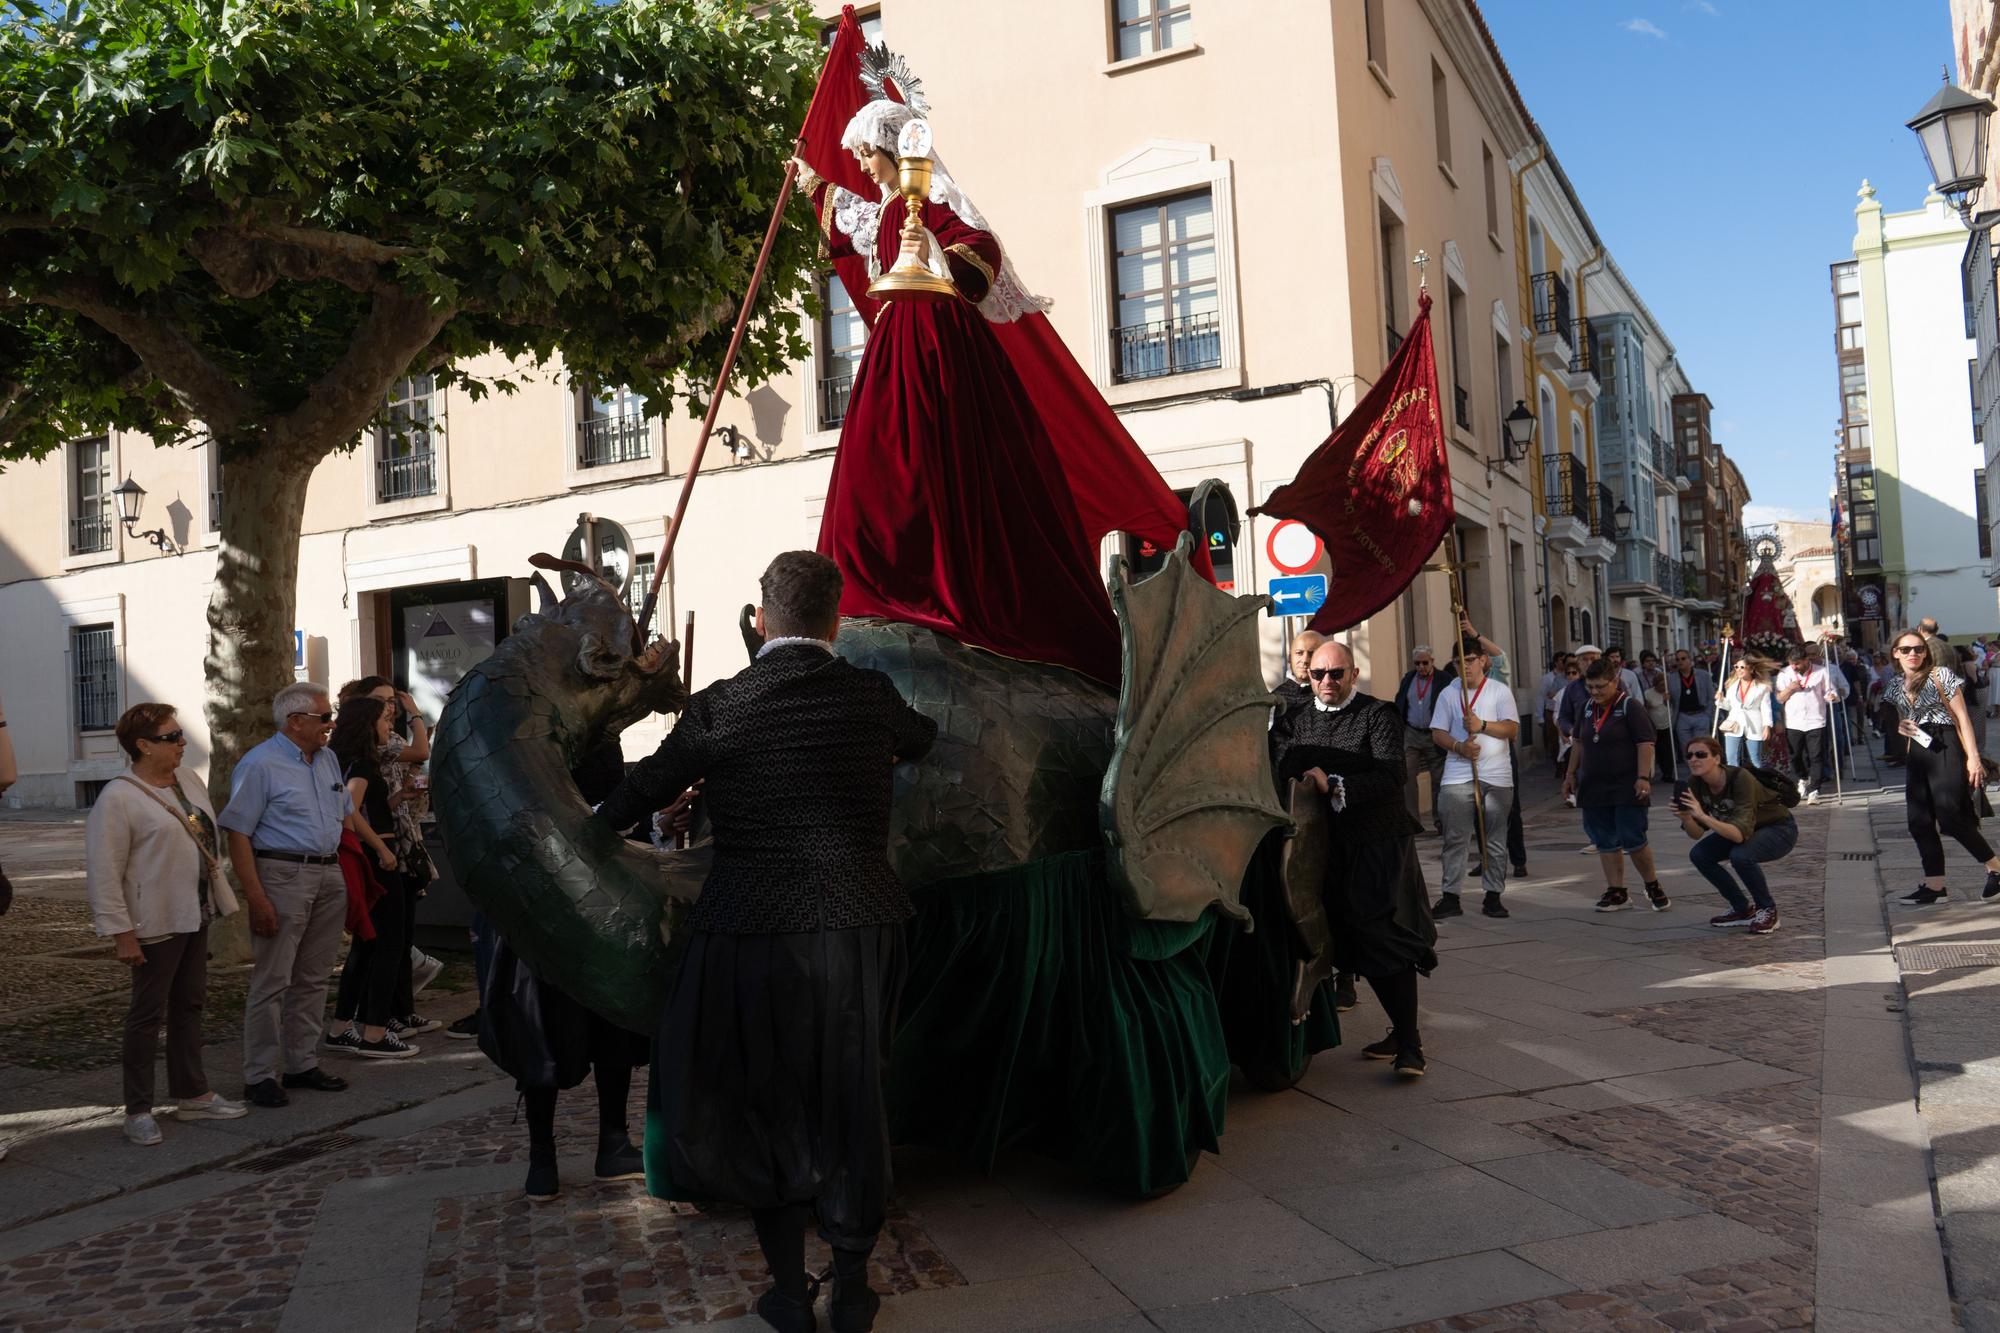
x,y
1693,755
1327,673
1911,648
170,738
320,717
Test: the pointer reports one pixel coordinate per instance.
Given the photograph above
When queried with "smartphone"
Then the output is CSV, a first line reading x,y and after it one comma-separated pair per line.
x,y
1680,790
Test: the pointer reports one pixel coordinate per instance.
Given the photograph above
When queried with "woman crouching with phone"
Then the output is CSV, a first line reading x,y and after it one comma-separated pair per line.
x,y
1737,823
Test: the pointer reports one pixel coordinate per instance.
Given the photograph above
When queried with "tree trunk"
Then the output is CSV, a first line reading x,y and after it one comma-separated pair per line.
x,y
252,608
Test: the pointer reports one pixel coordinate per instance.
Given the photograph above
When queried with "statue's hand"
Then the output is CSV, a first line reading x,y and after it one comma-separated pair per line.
x,y
917,245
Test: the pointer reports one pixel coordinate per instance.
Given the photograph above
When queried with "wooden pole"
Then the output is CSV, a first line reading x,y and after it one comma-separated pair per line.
x,y
715,398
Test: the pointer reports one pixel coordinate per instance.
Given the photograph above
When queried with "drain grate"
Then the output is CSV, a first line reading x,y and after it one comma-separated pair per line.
x,y
1857,856
1939,957
303,1151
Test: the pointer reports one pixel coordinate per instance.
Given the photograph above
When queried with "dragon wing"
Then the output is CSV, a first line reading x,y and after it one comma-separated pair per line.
x,y
1189,793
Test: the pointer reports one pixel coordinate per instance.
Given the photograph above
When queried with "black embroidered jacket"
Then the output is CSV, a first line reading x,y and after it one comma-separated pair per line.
x,y
795,751
1363,744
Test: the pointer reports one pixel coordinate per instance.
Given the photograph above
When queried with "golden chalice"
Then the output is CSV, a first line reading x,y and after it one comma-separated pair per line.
x,y
911,279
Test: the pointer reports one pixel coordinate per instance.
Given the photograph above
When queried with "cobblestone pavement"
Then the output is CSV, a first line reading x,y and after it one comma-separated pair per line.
x,y
1627,1126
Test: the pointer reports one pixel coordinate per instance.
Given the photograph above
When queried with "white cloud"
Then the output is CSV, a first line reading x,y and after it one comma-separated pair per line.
x,y
1705,7
1756,515
1644,27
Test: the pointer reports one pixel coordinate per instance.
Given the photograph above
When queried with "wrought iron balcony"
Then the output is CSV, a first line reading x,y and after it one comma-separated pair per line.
x,y
1166,347
1552,310
1566,487
1603,512
602,441
1583,349
405,476
1461,406
1662,456
834,392
90,532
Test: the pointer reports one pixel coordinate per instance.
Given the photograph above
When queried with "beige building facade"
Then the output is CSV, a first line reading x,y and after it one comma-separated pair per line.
x,y
1232,270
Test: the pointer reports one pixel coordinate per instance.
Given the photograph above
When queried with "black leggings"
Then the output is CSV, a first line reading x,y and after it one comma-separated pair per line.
x,y
1398,994
1938,799
614,1084
368,979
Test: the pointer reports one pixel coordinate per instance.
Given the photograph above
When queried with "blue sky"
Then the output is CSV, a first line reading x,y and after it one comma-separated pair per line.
x,y
1718,145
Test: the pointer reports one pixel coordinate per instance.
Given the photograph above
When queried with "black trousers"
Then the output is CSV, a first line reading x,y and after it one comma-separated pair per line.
x,y
1517,837
1809,755
1938,799
368,978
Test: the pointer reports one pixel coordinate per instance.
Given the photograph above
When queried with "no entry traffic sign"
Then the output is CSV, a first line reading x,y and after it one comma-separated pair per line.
x,y
1292,547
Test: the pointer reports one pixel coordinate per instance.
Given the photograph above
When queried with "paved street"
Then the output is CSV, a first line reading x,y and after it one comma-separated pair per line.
x,y
1631,1122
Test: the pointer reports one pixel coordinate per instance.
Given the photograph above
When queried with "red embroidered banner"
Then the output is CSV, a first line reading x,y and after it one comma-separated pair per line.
x,y
1378,491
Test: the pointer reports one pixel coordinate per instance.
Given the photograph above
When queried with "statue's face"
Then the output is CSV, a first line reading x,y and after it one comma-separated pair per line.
x,y
877,164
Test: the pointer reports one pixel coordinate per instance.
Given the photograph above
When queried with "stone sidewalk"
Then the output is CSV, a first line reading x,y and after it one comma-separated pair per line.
x,y
1631,1122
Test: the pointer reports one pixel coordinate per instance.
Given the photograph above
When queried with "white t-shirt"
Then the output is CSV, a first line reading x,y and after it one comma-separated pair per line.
x,y
1491,702
1805,710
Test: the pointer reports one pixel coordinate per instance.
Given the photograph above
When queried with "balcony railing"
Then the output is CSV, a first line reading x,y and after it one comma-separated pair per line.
x,y
834,392
602,441
1461,406
405,476
1669,574
1634,563
1567,488
1166,347
1663,459
1552,304
1603,513
1583,349
90,533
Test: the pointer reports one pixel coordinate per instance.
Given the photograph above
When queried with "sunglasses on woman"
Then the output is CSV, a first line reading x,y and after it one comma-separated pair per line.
x,y
174,737
1693,755
1910,648
1327,673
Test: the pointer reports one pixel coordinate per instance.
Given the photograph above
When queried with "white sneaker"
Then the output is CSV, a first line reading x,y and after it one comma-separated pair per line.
x,y
424,969
215,1106
1812,798
142,1129
1802,789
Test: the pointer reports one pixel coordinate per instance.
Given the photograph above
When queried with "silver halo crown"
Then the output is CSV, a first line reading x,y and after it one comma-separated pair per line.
x,y
881,68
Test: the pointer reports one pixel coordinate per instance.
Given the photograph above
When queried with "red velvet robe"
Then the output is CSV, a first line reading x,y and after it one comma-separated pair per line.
x,y
948,506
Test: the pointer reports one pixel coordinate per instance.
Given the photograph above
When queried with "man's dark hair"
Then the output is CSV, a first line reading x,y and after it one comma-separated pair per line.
x,y
1799,654
1601,669
1471,647
801,594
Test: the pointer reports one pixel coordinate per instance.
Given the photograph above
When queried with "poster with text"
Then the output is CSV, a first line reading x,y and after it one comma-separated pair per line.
x,y
441,642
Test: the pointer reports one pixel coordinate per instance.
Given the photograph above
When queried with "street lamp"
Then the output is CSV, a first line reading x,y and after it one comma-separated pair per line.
x,y
1519,436
1621,521
1951,129
130,497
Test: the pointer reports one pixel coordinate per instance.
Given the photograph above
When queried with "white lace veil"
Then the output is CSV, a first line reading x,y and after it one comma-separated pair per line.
x,y
877,125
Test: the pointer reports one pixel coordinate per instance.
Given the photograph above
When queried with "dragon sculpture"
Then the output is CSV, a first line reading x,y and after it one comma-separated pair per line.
x,y
1167,784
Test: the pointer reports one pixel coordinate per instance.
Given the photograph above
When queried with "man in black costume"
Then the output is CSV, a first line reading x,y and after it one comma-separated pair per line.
x,y
1295,688
779,1021
1350,747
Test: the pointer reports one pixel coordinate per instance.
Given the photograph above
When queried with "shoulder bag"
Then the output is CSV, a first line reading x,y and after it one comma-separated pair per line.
x,y
220,894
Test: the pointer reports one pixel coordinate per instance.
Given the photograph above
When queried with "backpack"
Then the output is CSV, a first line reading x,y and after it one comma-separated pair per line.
x,y
1776,783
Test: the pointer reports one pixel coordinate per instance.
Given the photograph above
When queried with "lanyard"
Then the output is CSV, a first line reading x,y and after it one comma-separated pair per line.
x,y
1597,723
1473,702
1423,688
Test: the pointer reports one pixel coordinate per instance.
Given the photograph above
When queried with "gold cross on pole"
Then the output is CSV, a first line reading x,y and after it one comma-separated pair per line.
x,y
1422,261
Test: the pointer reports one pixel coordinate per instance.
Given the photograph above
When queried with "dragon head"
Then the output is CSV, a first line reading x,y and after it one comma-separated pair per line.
x,y
582,649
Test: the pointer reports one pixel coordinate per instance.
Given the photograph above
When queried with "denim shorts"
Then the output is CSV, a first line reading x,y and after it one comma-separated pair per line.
x,y
1615,828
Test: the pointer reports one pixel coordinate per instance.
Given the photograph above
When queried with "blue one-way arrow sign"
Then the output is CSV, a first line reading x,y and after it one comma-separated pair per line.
x,y
1297,594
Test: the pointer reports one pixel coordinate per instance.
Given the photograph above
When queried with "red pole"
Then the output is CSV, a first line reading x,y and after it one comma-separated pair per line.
x,y
715,398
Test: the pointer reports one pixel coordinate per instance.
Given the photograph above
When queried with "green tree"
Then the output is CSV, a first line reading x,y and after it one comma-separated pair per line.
x,y
246,219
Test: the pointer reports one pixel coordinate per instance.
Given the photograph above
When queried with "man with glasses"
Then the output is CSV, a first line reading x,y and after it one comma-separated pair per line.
x,y
1737,823
1610,767
1476,723
1691,691
1416,699
1349,747
287,806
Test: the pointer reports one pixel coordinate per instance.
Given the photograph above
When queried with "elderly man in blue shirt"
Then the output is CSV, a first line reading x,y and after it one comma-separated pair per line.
x,y
287,806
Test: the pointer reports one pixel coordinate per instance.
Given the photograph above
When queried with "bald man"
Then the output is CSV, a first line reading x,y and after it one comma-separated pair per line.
x,y
1294,688
1349,747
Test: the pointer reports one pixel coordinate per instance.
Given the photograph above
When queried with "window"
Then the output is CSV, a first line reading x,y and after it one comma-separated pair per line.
x,y
1492,192
1164,273
1972,381
1454,318
1551,443
1441,116
90,495
1503,378
611,427
214,487
93,659
1378,35
1142,27
870,24
1392,277
635,590
841,337
1982,513
405,464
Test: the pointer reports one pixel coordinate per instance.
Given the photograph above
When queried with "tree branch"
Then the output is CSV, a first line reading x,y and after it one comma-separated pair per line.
x,y
203,388
336,244
399,326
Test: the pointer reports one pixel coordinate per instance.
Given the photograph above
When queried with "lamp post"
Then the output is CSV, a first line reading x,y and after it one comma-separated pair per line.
x,y
1951,129
1621,521
131,498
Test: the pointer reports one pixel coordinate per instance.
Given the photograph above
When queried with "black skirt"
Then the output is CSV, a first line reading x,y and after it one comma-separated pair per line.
x,y
768,1074
1378,908
540,1035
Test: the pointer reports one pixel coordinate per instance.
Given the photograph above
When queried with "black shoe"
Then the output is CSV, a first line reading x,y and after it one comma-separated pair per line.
x,y
465,1029
1657,896
1992,888
1344,997
266,1093
317,1079
1924,897
1384,1049
852,1308
1614,900
1410,1061
1492,906
617,1159
786,1313
1446,905
1520,870
543,1184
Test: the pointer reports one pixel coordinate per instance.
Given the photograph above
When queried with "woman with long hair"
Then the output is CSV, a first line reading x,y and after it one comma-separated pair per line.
x,y
1661,711
1943,769
368,980
1746,711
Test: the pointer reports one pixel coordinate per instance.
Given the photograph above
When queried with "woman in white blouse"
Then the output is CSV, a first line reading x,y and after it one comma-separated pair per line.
x,y
154,859
1746,719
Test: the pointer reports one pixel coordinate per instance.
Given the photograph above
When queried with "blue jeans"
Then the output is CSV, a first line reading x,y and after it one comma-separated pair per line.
x,y
1715,856
1734,747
